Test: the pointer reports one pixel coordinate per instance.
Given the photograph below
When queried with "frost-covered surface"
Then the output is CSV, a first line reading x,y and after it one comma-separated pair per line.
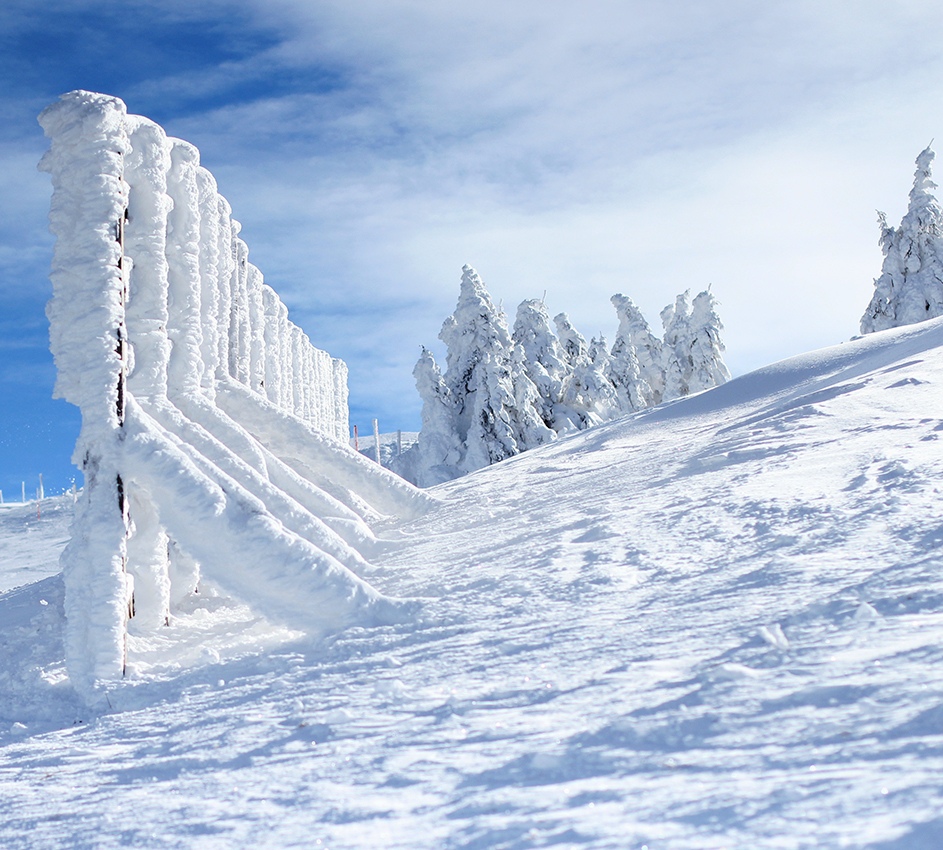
x,y
214,434
717,623
88,339
910,288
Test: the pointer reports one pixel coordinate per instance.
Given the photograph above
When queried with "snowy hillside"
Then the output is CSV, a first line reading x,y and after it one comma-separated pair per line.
x,y
718,623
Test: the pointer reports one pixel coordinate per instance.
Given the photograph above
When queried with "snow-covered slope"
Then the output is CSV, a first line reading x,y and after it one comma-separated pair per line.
x,y
718,623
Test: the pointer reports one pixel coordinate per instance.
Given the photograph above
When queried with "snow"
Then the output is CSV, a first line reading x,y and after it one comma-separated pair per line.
x,y
714,623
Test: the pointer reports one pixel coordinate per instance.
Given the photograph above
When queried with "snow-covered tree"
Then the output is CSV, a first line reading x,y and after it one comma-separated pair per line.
x,y
604,399
479,375
707,348
675,319
572,342
436,457
485,407
910,288
634,332
624,373
544,361
573,351
532,429
692,345
587,395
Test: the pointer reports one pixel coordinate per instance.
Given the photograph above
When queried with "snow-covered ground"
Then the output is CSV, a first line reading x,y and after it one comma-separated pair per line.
x,y
718,623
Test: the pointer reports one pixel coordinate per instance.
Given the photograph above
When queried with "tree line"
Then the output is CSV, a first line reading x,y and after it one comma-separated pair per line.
x,y
505,390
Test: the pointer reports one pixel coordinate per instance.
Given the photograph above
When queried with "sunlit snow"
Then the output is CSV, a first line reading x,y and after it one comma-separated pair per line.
x,y
716,623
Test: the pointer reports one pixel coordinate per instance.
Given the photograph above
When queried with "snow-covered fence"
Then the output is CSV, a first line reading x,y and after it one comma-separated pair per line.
x,y
213,431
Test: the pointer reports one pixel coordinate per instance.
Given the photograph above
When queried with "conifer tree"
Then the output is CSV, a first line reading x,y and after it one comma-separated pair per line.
x,y
707,348
438,453
544,360
675,319
532,429
571,410
478,375
634,332
603,398
692,345
484,408
572,342
910,288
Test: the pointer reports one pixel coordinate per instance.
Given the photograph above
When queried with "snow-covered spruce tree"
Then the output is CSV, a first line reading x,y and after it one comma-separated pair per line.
x,y
595,375
544,361
693,348
910,288
573,352
634,332
484,407
707,348
532,429
675,319
572,342
436,457
588,396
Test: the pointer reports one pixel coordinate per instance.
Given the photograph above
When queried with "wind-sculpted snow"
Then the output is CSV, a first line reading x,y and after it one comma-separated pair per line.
x,y
717,623
156,311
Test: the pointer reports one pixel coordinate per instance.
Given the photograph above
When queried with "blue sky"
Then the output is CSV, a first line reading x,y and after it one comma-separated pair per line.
x,y
372,148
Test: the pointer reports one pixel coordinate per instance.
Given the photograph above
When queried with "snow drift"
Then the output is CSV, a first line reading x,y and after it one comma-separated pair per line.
x,y
214,433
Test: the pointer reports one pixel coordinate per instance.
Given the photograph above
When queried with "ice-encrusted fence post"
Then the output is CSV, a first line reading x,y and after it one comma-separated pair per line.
x,y
146,319
89,141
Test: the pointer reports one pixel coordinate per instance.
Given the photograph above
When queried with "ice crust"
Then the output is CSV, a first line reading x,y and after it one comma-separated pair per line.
x,y
155,308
